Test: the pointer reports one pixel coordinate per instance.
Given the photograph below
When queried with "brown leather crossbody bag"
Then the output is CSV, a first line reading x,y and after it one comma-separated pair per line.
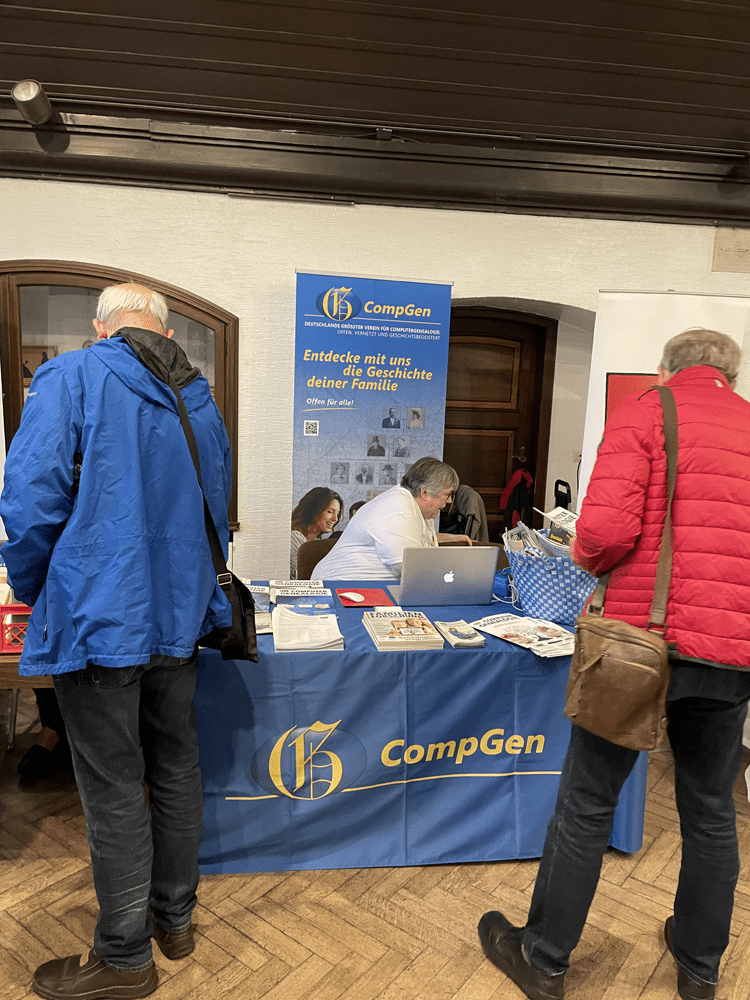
x,y
619,674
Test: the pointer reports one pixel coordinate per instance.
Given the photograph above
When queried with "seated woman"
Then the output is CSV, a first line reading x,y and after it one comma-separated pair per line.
x,y
372,544
316,514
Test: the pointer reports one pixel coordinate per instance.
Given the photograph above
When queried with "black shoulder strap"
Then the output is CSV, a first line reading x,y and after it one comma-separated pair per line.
x,y
157,368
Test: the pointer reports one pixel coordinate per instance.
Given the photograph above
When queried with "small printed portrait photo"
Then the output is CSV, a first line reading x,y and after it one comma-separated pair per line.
x,y
340,473
33,356
371,494
415,417
401,447
364,473
376,445
392,417
387,475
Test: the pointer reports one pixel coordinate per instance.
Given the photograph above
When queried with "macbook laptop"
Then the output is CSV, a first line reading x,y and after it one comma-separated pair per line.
x,y
454,574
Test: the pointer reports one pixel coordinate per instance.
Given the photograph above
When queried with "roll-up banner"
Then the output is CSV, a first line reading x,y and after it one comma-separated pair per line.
x,y
370,366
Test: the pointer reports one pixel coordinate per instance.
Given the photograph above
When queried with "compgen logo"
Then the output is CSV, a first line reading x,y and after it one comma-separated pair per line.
x,y
309,762
339,303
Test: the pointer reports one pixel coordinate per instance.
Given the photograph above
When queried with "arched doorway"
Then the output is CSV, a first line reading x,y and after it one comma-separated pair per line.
x,y
46,308
499,401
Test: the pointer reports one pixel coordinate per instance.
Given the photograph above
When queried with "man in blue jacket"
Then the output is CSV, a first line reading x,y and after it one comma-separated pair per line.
x,y
107,541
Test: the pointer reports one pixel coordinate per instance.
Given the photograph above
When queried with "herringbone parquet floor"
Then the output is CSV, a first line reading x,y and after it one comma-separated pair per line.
x,y
391,934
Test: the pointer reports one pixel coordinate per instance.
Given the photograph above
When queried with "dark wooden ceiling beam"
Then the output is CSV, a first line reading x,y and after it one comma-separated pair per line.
x,y
275,164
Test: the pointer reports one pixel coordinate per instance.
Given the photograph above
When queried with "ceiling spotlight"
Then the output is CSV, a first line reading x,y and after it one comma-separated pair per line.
x,y
32,102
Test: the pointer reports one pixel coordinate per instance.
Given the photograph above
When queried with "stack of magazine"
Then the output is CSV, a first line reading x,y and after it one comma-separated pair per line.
x,y
294,631
460,634
541,637
554,542
392,628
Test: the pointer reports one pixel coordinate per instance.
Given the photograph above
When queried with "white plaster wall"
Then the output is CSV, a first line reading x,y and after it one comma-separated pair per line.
x,y
242,254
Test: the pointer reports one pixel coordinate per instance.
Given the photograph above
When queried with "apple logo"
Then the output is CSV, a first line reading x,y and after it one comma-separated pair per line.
x,y
448,577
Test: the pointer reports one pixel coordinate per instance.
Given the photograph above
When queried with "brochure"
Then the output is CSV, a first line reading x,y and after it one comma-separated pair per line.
x,y
313,603
263,622
296,591
261,595
541,637
293,631
460,634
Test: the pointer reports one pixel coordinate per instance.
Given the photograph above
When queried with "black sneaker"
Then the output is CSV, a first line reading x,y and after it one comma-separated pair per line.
x,y
501,946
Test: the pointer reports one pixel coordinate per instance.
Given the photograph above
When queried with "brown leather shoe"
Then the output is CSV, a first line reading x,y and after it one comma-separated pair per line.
x,y
174,944
686,987
500,945
69,979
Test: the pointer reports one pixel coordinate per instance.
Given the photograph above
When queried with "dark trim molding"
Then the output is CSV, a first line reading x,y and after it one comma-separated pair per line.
x,y
543,179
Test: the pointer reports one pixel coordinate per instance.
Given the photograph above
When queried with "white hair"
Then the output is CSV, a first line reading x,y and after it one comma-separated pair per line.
x,y
698,346
128,298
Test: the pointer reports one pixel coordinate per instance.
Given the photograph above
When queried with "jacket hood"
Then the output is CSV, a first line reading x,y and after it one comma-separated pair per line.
x,y
141,358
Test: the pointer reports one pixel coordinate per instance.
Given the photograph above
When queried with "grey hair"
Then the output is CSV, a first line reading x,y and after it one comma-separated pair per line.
x,y
130,297
698,346
432,475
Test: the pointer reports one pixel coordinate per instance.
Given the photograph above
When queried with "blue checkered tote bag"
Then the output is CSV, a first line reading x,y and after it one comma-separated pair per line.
x,y
550,587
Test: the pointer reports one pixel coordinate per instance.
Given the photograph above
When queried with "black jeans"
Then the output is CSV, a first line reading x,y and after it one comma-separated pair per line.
x,y
706,737
127,726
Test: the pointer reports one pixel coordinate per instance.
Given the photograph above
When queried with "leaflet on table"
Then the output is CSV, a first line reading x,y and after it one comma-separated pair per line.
x,y
292,591
358,597
293,631
540,636
261,595
394,628
263,622
300,584
460,634
311,603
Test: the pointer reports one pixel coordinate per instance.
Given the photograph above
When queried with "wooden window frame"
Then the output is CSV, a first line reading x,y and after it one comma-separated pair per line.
x,y
15,274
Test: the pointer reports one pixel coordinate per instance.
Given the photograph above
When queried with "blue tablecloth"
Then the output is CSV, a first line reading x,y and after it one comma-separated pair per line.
x,y
359,759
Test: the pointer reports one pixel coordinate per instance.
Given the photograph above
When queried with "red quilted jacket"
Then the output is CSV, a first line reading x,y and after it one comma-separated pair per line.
x,y
708,613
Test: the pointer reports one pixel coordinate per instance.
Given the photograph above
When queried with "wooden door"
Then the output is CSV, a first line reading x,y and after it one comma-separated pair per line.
x,y
498,401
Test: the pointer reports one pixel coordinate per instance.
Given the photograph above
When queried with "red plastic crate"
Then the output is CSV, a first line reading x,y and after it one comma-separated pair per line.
x,y
13,621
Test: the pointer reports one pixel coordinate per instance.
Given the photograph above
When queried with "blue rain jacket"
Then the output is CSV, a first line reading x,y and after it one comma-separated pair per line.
x,y
119,570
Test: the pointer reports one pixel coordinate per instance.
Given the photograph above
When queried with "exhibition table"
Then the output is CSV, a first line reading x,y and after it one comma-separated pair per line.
x,y
356,758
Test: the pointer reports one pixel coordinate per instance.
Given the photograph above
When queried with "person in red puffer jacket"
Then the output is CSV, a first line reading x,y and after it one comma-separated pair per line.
x,y
708,632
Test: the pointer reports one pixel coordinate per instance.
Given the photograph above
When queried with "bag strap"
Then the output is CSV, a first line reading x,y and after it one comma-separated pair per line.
x,y
664,565
658,613
157,368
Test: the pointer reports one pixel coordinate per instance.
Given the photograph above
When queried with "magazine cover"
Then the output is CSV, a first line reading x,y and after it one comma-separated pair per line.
x,y
398,629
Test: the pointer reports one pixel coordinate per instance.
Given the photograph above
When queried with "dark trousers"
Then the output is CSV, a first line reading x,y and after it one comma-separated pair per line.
x,y
49,711
706,737
128,726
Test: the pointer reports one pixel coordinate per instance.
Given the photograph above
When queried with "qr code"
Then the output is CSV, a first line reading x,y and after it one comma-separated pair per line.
x,y
311,428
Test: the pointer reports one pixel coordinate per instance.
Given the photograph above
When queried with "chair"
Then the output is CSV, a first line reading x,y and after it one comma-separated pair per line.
x,y
10,680
309,555
469,507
